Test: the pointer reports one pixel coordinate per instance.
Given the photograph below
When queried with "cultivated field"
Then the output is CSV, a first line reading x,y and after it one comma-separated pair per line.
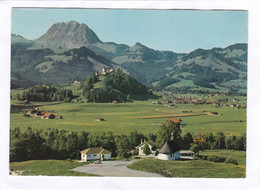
x,y
122,118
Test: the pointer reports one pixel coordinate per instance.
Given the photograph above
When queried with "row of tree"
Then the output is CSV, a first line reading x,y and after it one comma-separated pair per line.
x,y
44,93
60,144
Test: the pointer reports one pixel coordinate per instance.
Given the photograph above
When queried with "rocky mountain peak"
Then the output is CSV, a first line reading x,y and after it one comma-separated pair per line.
x,y
68,35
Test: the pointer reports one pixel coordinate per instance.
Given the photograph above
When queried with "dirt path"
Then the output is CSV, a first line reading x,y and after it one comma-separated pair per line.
x,y
176,115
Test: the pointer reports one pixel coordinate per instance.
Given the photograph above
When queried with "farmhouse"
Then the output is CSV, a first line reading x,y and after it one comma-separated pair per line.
x,y
48,116
26,102
32,111
39,113
95,153
176,121
140,147
59,117
100,119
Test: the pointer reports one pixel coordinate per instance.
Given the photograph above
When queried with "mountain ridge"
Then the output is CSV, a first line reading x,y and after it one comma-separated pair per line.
x,y
158,69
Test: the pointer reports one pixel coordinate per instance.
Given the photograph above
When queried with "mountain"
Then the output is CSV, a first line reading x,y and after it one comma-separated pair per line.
x,y
218,69
144,63
68,35
71,51
74,35
19,40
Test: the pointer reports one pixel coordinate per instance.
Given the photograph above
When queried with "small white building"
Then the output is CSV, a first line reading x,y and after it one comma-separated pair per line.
x,y
140,147
169,151
95,153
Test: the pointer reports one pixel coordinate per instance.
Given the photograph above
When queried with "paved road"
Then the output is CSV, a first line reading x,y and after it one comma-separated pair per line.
x,y
115,168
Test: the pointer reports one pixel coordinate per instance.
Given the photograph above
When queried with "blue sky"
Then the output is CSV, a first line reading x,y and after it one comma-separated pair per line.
x,y
175,30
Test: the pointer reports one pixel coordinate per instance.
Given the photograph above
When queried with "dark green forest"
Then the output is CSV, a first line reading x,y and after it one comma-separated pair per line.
x,y
117,86
47,94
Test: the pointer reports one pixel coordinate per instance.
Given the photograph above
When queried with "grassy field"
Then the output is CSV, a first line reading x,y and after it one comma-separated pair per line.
x,y
48,168
195,168
122,118
240,156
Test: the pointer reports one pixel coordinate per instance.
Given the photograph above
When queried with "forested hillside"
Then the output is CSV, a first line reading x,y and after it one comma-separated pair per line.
x,y
116,86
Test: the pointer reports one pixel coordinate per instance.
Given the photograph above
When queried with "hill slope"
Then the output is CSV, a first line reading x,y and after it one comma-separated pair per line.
x,y
57,57
113,86
44,66
218,69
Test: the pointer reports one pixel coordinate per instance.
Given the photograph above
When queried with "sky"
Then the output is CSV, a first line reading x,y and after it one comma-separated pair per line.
x,y
180,31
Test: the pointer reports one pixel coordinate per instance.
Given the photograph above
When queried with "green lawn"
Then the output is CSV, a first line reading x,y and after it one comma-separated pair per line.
x,y
240,156
48,168
122,118
194,168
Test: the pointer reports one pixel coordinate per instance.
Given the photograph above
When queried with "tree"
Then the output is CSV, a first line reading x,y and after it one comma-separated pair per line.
x,y
239,143
187,140
200,140
195,148
123,147
146,149
165,131
135,138
230,142
220,140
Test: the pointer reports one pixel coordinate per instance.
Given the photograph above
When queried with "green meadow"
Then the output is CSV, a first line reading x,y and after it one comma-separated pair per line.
x,y
48,168
194,168
122,118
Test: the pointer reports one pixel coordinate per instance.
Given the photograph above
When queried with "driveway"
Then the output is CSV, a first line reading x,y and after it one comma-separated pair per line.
x,y
115,168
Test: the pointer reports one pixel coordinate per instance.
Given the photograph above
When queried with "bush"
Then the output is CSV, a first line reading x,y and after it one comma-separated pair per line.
x,y
231,160
214,158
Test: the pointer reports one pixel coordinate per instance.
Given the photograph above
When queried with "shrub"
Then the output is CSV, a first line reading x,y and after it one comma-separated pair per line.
x,y
231,160
214,158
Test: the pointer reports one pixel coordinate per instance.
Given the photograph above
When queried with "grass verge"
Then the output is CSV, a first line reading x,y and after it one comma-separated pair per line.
x,y
194,168
48,168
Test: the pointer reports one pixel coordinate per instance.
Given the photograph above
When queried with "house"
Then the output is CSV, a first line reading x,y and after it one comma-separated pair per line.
x,y
244,106
48,116
39,113
176,121
100,119
95,153
169,151
59,117
32,111
156,102
140,147
26,102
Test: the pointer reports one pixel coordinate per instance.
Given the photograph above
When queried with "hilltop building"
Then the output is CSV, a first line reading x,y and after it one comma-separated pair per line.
x,y
107,70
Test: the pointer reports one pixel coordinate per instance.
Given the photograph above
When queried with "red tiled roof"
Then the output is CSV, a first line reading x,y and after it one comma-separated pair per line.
x,y
47,114
174,120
